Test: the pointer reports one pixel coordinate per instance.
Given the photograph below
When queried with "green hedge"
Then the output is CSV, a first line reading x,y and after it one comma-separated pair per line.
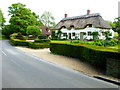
x,y
104,43
42,36
95,55
39,45
17,42
42,40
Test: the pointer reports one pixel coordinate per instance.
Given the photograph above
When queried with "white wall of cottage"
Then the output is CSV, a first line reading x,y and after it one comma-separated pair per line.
x,y
86,30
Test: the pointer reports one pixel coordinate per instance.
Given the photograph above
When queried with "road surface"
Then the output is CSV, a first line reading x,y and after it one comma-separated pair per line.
x,y
22,70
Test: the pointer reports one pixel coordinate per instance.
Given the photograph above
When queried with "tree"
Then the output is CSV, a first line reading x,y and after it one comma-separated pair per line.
x,y
117,24
21,17
7,30
39,23
2,20
33,30
47,19
112,25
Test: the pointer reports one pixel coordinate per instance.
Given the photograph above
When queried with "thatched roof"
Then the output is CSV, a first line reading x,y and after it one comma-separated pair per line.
x,y
80,22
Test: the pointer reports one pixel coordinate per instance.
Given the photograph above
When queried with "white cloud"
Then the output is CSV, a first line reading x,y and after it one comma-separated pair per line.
x,y
107,8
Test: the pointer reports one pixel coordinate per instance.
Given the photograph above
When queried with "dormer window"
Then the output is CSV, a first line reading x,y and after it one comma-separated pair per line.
x,y
72,26
88,25
63,27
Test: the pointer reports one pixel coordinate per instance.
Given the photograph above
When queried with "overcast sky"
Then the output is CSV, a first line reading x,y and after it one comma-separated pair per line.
x,y
107,8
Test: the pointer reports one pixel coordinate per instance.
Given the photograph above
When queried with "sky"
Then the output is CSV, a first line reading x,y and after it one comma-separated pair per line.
x,y
107,8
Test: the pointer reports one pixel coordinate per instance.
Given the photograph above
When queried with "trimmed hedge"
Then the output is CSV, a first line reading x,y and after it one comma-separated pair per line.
x,y
95,55
104,43
42,40
42,36
17,42
39,45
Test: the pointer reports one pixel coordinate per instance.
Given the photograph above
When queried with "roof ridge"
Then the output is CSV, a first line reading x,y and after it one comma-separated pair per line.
x,y
81,16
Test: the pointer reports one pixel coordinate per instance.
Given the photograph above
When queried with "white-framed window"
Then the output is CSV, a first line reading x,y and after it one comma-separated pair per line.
x,y
64,34
73,34
89,33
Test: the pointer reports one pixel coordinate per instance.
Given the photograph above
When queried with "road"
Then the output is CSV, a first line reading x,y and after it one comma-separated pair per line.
x,y
22,70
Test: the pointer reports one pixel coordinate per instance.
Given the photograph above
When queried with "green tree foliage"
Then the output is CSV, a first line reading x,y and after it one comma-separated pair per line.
x,y
2,19
59,33
7,30
33,30
21,17
47,19
95,35
39,23
117,24
107,34
112,24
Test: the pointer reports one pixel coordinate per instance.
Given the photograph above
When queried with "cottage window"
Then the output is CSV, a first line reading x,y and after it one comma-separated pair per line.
x,y
72,26
103,33
89,33
64,34
63,27
88,25
73,34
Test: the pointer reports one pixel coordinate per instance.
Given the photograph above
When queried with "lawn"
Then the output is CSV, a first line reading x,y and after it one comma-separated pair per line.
x,y
65,41
115,47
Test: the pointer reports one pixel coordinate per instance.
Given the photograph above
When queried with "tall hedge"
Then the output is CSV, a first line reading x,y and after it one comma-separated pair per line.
x,y
95,55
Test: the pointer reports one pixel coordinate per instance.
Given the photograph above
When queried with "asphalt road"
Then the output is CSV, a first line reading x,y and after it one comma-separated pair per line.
x,y
22,70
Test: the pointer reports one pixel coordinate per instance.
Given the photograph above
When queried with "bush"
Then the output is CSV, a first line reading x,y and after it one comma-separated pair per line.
x,y
38,45
33,30
95,55
42,40
14,35
42,36
20,36
17,42
105,43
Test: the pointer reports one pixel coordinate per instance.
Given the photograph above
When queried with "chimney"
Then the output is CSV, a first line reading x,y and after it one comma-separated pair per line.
x,y
65,15
88,12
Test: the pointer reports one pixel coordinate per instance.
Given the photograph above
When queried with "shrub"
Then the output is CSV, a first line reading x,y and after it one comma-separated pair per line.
x,y
42,40
105,43
33,30
20,36
113,42
42,36
95,55
38,45
17,42
14,35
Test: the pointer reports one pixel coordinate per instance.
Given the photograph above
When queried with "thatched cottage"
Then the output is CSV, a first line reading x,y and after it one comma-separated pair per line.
x,y
81,27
